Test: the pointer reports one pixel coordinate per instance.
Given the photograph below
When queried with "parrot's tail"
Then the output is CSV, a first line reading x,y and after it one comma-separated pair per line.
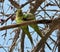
x,y
35,27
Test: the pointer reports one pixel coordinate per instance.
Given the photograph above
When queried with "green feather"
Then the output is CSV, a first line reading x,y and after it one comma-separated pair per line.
x,y
34,26
19,19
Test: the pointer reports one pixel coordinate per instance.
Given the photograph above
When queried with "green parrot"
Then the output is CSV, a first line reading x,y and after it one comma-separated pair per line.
x,y
30,16
19,19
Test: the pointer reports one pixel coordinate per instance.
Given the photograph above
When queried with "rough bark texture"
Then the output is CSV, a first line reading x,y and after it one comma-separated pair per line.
x,y
58,40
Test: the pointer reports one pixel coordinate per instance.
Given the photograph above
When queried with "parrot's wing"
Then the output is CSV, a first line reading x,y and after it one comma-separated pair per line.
x,y
19,19
26,31
35,27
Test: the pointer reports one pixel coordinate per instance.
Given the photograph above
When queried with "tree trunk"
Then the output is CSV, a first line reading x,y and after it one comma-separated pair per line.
x,y
42,49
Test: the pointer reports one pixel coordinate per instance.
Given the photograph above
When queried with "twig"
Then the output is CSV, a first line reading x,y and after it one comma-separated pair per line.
x,y
26,23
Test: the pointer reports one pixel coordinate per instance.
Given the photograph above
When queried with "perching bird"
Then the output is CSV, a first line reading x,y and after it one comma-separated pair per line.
x,y
19,19
30,16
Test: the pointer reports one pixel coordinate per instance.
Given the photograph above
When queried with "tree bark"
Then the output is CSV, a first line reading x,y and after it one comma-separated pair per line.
x,y
58,40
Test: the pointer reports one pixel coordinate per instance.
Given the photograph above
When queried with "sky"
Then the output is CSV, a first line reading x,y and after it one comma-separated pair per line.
x,y
7,42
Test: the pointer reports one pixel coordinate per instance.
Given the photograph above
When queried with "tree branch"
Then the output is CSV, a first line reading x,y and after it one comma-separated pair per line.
x,y
22,41
36,5
15,40
15,4
26,23
43,40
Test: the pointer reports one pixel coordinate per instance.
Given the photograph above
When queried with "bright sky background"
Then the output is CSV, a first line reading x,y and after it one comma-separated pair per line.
x,y
27,42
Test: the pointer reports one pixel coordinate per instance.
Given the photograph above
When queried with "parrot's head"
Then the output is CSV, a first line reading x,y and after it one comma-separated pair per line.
x,y
19,12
